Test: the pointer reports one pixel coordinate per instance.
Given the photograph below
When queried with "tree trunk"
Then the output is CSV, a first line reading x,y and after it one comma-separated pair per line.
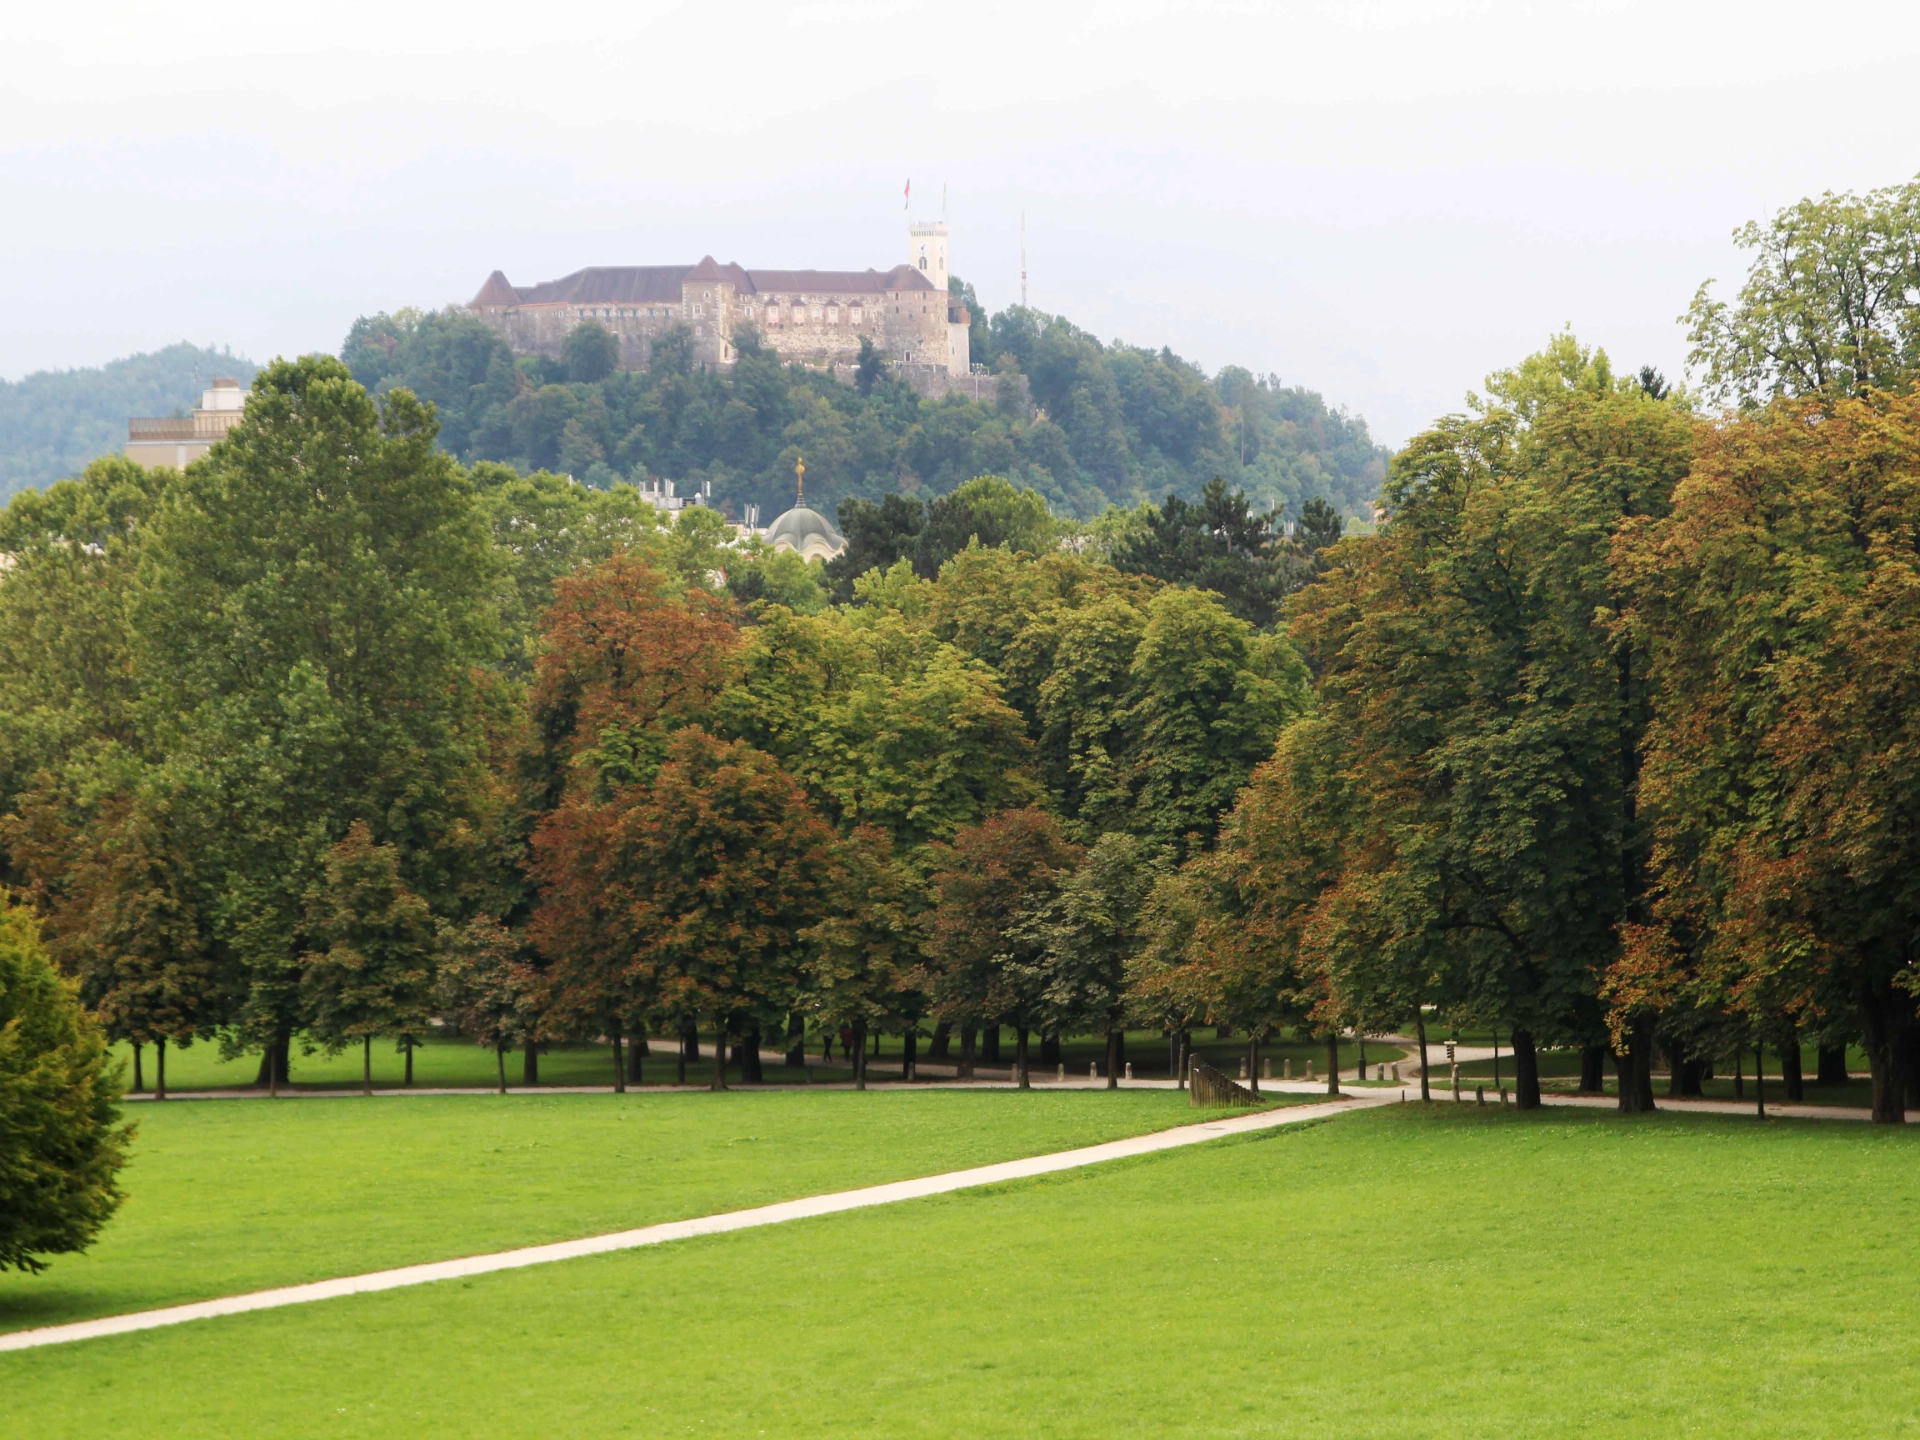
x,y
1910,1063
1185,1052
1360,1073
796,1041
1676,1068
1791,1078
619,1066
1333,1062
500,1059
969,1035
530,1064
990,1044
1020,1055
718,1081
1420,1031
273,1061
160,1068
408,1042
1760,1078
636,1058
1636,1069
909,1051
750,1071
877,1034
859,1052
366,1064
1693,1077
941,1045
140,1084
1496,1059
1049,1047
1886,1015
1113,1058
1593,1069
1739,1075
689,1047
1526,1070
1831,1065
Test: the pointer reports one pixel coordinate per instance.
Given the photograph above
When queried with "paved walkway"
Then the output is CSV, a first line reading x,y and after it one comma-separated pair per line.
x,y
706,1225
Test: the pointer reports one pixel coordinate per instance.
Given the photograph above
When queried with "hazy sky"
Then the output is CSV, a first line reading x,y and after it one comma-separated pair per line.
x,y
1381,201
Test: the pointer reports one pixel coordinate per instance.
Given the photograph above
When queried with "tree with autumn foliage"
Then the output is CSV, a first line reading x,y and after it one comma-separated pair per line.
x,y
987,943
1472,656
628,655
1783,600
486,990
693,886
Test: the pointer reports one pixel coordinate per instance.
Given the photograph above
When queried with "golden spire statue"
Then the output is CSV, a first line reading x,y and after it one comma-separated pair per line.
x,y
800,479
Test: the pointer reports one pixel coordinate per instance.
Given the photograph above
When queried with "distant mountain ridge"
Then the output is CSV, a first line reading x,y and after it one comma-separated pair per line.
x,y
54,421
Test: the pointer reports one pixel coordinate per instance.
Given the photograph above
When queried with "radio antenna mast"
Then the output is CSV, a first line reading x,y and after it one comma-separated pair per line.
x,y
1023,259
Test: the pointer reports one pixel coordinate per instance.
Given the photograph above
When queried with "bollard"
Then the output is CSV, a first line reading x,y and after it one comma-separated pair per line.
x,y
1286,1068
1266,1068
1243,1067
1456,1083
1403,1097
1503,1095
1061,1073
1309,1072
1480,1094
1129,1069
1396,1074
1093,1070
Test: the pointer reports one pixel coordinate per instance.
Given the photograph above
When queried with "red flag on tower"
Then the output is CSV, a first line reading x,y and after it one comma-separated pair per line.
x,y
907,200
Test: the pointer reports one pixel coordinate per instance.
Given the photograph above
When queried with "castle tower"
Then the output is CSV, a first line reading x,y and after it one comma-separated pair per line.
x,y
927,251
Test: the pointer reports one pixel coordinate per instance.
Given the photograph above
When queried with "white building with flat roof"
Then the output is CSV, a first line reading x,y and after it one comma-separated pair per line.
x,y
179,441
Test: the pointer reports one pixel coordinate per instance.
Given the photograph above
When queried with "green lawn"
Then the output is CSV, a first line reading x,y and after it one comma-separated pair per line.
x,y
1407,1271
235,1195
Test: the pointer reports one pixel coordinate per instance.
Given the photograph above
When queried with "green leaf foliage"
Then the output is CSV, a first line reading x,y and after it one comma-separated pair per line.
x,y
60,1138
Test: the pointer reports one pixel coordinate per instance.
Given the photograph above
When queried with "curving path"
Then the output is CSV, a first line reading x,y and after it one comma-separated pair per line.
x,y
831,1204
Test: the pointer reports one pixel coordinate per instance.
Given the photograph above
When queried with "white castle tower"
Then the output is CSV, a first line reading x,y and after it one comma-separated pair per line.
x,y
927,251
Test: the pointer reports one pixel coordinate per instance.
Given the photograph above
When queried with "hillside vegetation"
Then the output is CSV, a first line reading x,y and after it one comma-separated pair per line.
x,y
1108,424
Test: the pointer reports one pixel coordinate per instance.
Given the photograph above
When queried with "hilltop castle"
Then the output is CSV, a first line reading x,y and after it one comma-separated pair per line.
x,y
807,316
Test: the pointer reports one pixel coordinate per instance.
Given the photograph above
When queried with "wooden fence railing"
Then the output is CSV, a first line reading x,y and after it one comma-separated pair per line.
x,y
1208,1087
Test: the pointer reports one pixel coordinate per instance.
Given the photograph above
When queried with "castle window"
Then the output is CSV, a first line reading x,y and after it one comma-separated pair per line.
x,y
833,315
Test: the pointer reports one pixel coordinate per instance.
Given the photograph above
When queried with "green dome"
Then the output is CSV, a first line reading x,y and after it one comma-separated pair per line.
x,y
807,533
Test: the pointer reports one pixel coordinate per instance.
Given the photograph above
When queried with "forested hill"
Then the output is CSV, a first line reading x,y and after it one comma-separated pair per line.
x,y
54,421
1110,424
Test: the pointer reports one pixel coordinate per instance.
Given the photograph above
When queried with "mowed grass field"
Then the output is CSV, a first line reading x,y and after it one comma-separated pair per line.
x,y
227,1196
1407,1271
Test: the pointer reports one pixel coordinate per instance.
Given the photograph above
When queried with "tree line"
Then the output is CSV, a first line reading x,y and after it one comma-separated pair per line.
x,y
1612,723
329,739
1602,738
